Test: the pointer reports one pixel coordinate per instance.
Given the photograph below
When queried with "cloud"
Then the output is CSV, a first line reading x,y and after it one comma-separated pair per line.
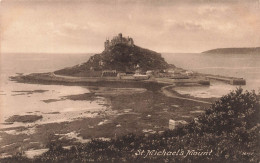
x,y
188,25
159,25
209,10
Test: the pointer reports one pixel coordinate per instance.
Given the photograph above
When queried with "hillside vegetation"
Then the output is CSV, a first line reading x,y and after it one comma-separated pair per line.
x,y
121,58
253,50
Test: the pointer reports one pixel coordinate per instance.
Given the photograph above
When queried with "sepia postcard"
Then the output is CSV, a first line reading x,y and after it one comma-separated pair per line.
x,y
129,81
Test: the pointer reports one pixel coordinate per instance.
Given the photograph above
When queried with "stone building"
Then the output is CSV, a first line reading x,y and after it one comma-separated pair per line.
x,y
119,40
109,73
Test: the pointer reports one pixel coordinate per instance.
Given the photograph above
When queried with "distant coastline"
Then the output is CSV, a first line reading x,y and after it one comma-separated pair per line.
x,y
248,50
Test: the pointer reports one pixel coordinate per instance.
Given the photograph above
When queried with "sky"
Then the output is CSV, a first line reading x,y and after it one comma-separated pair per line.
x,y
81,26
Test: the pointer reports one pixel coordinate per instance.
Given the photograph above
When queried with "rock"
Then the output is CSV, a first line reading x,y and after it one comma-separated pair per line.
x,y
173,124
23,118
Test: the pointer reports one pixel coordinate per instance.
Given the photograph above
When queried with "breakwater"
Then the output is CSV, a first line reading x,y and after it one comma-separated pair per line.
x,y
230,80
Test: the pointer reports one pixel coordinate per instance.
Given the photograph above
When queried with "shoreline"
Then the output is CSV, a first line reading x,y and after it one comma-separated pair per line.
x,y
130,107
154,84
196,78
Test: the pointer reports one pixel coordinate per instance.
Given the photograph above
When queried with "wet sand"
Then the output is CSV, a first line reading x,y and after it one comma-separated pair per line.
x,y
136,107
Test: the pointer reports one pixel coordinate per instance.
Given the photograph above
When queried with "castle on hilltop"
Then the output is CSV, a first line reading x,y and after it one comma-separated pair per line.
x,y
119,40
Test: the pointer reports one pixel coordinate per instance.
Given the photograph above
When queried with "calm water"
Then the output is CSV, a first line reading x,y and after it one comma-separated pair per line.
x,y
11,102
236,65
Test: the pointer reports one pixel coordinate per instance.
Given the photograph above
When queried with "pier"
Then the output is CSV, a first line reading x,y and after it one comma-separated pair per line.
x,y
230,80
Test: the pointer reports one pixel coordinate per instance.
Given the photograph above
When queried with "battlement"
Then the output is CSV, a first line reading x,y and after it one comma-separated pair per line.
x,y
119,40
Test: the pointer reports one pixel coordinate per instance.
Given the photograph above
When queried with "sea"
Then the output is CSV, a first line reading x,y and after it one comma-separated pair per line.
x,y
245,66
20,98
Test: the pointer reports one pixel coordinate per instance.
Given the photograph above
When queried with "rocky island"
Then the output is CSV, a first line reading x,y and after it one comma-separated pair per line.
x,y
120,56
123,61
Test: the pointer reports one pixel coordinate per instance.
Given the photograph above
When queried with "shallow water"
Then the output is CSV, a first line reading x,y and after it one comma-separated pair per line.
x,y
216,89
22,99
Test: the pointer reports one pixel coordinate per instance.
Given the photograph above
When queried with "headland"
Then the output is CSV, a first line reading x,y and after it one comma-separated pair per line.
x,y
245,50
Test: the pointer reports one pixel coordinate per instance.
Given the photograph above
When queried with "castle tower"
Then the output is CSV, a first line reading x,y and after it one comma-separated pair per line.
x,y
106,43
118,39
130,42
120,36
